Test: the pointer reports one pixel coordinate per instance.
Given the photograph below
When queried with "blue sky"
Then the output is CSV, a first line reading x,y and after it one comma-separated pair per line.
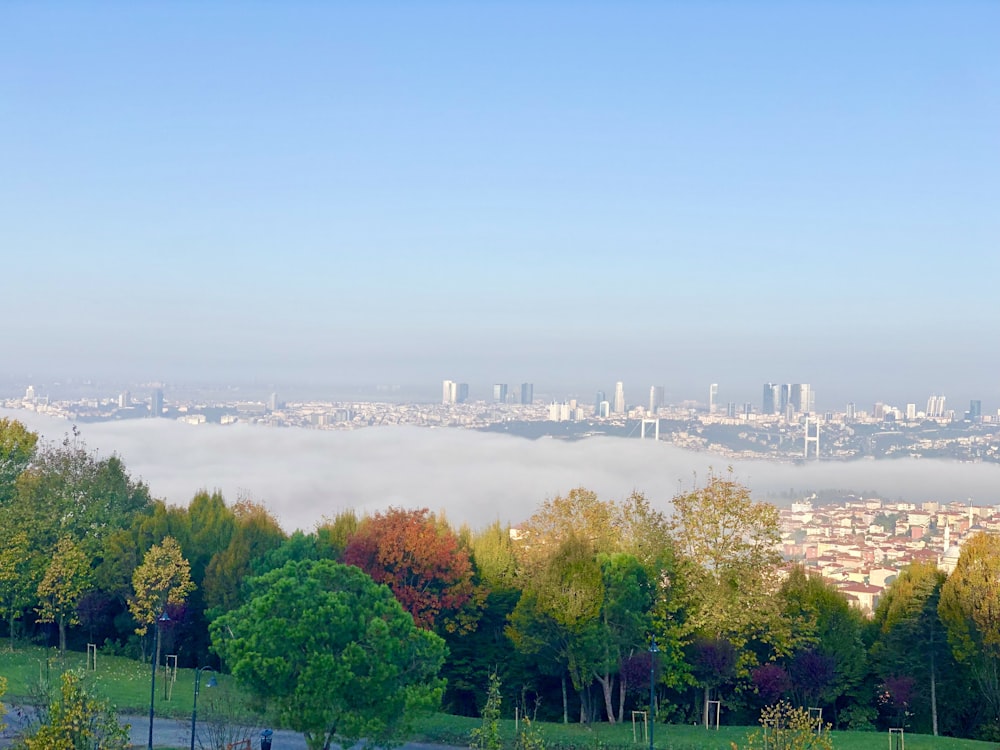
x,y
568,193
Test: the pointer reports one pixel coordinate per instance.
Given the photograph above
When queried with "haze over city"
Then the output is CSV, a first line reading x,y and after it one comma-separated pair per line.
x,y
676,194
475,478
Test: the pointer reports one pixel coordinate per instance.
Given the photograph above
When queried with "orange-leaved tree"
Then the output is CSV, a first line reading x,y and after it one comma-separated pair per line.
x,y
420,559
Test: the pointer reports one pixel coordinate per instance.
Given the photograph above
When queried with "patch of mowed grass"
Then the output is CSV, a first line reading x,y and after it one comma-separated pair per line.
x,y
124,682
454,730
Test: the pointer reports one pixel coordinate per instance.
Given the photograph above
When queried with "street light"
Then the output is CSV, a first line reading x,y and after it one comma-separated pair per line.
x,y
160,622
197,689
653,651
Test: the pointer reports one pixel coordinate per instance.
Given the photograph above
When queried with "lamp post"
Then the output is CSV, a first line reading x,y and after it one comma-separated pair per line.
x,y
197,689
653,651
160,622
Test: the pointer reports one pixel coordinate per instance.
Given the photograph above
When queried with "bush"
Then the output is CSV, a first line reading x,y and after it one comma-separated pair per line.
x,y
859,718
76,720
487,736
786,728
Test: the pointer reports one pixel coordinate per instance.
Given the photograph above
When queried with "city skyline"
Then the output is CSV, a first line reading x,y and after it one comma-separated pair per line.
x,y
664,194
775,398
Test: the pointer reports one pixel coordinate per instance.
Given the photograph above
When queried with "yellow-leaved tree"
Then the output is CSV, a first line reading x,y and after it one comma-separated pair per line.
x,y
163,578
66,580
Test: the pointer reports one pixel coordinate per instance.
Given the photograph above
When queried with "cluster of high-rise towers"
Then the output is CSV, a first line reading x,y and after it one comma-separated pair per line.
x,y
778,398
458,393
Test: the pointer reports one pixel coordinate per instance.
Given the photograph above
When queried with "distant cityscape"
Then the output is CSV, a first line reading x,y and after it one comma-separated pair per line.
x,y
783,426
861,544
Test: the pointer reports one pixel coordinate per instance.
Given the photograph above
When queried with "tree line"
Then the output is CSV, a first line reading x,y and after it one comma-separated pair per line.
x,y
561,609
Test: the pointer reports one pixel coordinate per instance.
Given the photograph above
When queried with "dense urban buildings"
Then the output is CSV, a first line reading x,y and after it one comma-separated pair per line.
x,y
786,427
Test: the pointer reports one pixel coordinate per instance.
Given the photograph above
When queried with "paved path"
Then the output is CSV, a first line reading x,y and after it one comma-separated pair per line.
x,y
175,734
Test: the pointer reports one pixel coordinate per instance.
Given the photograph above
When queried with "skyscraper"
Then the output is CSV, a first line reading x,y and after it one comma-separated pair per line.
x,y
769,404
500,393
655,398
527,393
619,405
601,398
449,392
785,397
156,404
801,398
713,396
975,409
462,393
935,406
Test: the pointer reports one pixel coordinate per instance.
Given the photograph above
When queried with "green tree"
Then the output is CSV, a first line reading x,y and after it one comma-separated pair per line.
x,y
558,616
826,632
911,640
69,491
212,525
257,532
67,578
970,610
20,570
297,547
333,534
579,514
17,448
625,623
493,557
475,655
728,545
731,543
644,533
335,652
76,720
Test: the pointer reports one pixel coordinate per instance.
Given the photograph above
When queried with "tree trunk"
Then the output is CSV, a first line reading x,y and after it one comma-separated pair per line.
x,y
11,622
934,720
62,634
607,681
565,701
621,699
707,695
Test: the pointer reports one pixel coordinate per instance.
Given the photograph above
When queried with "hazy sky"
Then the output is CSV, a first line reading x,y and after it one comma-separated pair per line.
x,y
565,193
475,478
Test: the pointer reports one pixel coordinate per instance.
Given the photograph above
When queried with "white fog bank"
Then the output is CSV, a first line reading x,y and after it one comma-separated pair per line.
x,y
303,475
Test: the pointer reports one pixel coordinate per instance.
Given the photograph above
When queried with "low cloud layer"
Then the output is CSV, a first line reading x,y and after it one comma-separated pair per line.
x,y
303,475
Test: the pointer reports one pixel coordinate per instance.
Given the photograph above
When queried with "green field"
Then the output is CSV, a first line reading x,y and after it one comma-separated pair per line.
x,y
455,730
126,684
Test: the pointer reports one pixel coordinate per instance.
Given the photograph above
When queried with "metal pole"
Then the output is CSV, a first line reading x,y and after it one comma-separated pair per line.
x,y
194,708
152,686
152,682
653,651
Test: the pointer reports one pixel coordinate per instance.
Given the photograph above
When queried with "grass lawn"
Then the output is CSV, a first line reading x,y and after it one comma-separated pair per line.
x,y
126,684
454,730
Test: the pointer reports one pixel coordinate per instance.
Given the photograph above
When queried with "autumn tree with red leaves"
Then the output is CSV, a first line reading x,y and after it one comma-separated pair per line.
x,y
420,559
